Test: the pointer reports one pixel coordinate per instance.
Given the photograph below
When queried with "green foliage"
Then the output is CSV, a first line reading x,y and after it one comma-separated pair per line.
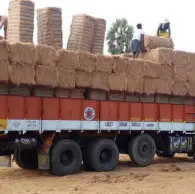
x,y
119,37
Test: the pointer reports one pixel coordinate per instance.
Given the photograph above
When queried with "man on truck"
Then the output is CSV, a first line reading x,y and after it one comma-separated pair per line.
x,y
137,41
4,23
164,29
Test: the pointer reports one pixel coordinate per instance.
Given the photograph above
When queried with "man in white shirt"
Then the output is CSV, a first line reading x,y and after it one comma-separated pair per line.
x,y
4,23
137,41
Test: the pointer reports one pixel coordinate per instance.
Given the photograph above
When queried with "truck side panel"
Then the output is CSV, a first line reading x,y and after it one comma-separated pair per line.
x,y
50,117
33,115
3,113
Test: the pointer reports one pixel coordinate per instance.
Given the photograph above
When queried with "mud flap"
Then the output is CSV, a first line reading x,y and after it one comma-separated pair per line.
x,y
43,152
5,161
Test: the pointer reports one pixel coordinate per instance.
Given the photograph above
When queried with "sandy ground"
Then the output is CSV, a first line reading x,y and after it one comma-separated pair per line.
x,y
164,176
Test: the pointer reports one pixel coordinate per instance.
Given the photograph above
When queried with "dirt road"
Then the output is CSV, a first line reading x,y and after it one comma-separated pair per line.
x,y
165,176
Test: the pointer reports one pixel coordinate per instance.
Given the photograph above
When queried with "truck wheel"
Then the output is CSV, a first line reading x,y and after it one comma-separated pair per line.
x,y
26,159
142,150
101,155
66,158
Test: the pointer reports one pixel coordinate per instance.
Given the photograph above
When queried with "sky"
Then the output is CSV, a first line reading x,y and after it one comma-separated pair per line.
x,y
148,12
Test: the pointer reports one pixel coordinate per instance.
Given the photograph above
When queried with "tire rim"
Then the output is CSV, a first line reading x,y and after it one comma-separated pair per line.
x,y
144,150
66,158
105,156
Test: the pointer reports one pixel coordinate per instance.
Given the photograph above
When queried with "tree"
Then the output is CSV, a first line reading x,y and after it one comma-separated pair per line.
x,y
119,37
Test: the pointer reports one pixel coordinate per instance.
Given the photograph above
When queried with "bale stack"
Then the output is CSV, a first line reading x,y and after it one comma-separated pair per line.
x,y
161,71
177,72
4,61
49,24
163,56
153,42
81,33
22,63
21,21
99,36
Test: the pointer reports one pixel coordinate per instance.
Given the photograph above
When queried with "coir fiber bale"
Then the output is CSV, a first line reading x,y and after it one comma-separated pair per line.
x,y
151,69
191,65
180,88
166,72
81,33
100,81
180,72
3,50
117,82
181,58
120,64
135,84
21,21
21,74
135,67
129,55
150,85
191,74
46,76
66,78
104,63
165,80
99,36
164,86
159,55
4,76
49,24
22,53
83,79
152,42
46,55
86,62
67,59
191,85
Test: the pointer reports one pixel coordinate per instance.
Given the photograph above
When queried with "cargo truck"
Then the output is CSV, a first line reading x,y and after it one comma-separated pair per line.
x,y
61,134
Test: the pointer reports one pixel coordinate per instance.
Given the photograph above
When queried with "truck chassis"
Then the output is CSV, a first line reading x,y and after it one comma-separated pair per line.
x,y
60,134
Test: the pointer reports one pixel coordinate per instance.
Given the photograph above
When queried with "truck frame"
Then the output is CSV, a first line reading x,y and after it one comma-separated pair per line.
x,y
59,134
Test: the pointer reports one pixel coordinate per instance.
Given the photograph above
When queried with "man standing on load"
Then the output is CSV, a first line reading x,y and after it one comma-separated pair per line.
x,y
137,41
164,29
4,23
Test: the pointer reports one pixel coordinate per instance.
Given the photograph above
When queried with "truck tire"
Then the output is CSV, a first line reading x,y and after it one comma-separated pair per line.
x,y
166,154
26,159
142,150
101,155
66,158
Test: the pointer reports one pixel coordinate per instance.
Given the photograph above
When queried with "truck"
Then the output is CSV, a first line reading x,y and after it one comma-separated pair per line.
x,y
61,134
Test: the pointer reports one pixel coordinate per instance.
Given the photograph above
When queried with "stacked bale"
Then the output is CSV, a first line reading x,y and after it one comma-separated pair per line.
x,y
191,72
49,24
180,73
46,71
22,63
176,70
99,36
165,71
4,61
85,68
81,33
21,21
152,42
164,57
